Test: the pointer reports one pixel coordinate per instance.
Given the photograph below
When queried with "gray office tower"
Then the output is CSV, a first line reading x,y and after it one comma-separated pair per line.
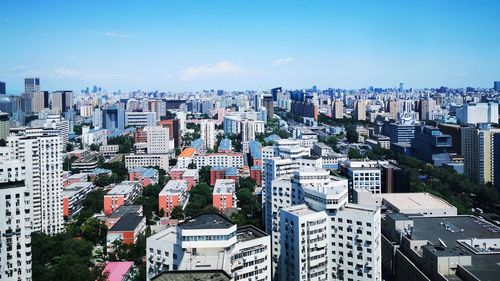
x,y
31,85
496,86
2,88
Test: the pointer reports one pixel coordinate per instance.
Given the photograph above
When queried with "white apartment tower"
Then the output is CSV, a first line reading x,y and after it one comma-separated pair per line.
x,y
158,141
42,156
326,238
208,133
15,219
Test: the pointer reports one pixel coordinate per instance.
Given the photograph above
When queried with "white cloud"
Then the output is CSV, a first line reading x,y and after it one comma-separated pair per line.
x,y
222,67
117,35
281,61
63,72
17,69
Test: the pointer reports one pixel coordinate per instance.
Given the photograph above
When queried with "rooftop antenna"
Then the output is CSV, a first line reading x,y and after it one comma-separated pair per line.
x,y
442,243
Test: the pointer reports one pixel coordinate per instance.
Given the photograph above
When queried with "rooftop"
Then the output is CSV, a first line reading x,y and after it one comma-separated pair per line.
x,y
485,266
126,209
129,222
225,144
206,221
188,152
205,275
255,149
414,200
175,187
224,186
249,232
117,269
125,187
145,172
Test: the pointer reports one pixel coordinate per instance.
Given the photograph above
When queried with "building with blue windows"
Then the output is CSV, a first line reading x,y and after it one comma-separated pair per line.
x,y
431,146
113,117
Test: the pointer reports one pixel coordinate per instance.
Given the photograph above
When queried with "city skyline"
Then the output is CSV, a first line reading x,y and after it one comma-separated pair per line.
x,y
176,46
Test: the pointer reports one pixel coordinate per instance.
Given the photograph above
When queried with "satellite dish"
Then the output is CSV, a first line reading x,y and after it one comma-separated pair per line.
x,y
441,242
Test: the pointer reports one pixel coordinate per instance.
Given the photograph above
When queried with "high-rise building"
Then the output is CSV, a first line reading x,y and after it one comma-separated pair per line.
x,y
113,118
41,151
3,90
210,242
158,140
208,133
61,101
401,87
365,175
478,150
268,103
140,119
4,125
476,113
40,101
393,109
496,86
431,146
275,92
273,169
27,103
326,238
426,108
15,219
360,110
338,109
31,85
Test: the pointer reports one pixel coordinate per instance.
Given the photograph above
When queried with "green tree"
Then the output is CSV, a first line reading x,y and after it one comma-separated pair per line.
x,y
351,134
204,174
94,230
177,213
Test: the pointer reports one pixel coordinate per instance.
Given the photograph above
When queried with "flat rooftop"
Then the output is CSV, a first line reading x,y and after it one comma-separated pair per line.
x,y
300,210
191,275
451,229
174,187
249,232
126,209
206,221
127,223
124,187
224,186
419,200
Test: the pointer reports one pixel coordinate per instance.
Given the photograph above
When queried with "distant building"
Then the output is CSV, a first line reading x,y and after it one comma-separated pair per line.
x,y
2,88
454,131
360,110
140,119
113,118
4,125
338,109
268,103
476,113
496,86
431,146
31,85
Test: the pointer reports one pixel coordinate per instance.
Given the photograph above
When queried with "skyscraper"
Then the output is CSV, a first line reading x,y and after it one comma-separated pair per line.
x,y
338,110
40,100
275,92
15,219
31,85
478,150
2,88
61,101
207,133
401,87
393,109
268,103
360,110
42,155
4,125
426,108
496,86
113,117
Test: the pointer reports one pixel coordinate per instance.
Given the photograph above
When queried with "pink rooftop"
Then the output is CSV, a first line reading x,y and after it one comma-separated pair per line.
x,y
117,269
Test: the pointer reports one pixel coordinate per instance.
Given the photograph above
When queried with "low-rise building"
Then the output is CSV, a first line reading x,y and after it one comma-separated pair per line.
x,y
121,212
127,229
121,194
146,160
224,194
145,176
73,196
109,150
174,193
87,163
234,159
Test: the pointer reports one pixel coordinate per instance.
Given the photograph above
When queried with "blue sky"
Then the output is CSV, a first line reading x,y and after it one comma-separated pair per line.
x,y
193,45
